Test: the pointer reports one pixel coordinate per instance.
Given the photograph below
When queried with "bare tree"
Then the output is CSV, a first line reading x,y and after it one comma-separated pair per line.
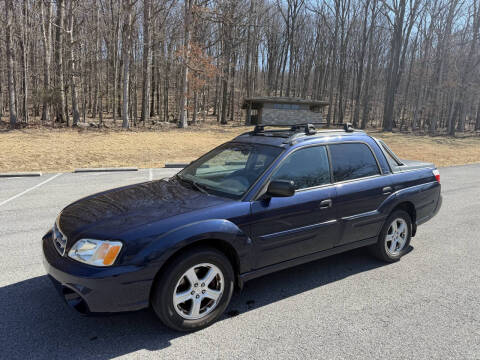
x,y
9,11
47,53
59,24
408,64
126,48
402,26
24,60
146,61
183,121
71,64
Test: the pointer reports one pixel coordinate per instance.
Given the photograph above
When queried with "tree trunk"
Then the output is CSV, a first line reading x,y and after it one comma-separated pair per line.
x,y
368,80
115,70
225,76
393,66
183,120
72,68
95,63
469,66
24,43
61,114
154,85
126,45
11,86
145,113
358,90
47,51
333,59
477,121
248,82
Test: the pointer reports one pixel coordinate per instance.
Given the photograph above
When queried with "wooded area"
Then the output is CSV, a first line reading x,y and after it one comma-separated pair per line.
x,y
412,65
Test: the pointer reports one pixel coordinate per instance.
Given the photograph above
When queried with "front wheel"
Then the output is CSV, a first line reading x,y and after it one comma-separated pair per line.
x,y
194,290
394,239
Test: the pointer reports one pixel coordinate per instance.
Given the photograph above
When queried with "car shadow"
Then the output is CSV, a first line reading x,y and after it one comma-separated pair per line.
x,y
35,323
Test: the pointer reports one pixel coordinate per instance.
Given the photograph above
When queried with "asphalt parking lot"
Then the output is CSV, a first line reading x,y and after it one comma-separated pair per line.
x,y
346,306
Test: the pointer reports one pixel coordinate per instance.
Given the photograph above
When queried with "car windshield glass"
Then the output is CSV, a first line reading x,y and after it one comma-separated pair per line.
x,y
230,169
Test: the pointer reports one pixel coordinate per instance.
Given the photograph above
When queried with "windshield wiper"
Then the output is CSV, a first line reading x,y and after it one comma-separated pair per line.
x,y
200,188
195,184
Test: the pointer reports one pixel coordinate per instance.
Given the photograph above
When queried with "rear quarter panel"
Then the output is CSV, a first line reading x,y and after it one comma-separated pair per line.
x,y
418,187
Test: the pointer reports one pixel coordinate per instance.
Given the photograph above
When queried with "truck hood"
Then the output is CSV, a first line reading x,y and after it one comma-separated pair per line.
x,y
114,211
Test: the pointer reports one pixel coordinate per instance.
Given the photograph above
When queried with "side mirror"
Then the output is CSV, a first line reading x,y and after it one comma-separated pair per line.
x,y
280,188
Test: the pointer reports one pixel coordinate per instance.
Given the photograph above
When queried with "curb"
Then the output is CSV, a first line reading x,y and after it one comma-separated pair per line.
x,y
88,170
21,174
175,165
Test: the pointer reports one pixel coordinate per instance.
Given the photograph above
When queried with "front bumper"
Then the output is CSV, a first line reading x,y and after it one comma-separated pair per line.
x,y
90,289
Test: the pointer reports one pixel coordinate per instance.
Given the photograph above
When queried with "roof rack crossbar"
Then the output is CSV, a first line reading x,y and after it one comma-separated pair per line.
x,y
308,128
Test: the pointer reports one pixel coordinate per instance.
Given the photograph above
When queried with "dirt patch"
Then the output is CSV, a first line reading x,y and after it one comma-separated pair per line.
x,y
46,149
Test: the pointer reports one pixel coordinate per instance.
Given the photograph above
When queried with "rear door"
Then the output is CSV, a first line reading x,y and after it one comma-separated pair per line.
x,y
290,227
361,188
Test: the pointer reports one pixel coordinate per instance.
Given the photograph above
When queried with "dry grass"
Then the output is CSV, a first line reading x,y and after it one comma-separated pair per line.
x,y
65,149
442,151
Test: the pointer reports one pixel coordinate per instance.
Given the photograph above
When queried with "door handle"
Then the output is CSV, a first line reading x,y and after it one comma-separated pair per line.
x,y
325,204
387,190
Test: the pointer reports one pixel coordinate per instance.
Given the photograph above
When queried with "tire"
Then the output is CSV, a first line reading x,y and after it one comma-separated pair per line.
x,y
393,242
199,309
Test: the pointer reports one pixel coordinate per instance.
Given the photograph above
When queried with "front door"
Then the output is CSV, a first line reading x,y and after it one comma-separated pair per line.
x,y
288,227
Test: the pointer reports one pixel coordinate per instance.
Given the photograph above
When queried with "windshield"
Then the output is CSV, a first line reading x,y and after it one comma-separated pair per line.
x,y
230,169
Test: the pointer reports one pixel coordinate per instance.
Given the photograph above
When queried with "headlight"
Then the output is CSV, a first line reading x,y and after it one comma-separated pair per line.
x,y
95,252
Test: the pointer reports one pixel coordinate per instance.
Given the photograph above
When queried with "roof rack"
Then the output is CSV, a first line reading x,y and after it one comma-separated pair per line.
x,y
307,129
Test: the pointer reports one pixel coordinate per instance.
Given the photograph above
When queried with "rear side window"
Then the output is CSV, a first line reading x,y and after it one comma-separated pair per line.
x,y
306,167
352,161
391,157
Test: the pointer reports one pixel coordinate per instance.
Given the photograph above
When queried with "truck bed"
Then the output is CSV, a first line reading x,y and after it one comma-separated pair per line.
x,y
412,165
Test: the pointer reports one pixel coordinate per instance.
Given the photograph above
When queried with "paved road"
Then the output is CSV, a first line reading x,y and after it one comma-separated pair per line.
x,y
347,306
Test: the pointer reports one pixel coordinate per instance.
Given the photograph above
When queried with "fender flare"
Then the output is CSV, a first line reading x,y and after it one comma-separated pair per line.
x,y
221,230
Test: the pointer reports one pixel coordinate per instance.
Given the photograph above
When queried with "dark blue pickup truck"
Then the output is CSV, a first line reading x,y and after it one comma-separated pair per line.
x,y
265,201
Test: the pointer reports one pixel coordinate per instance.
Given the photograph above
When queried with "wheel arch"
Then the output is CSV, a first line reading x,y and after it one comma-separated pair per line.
x,y
221,245
409,208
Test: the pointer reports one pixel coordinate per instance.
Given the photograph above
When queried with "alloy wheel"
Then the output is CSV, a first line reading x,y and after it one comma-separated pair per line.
x,y
198,291
396,237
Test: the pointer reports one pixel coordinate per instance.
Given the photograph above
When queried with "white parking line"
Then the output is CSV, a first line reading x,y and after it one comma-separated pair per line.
x,y
30,189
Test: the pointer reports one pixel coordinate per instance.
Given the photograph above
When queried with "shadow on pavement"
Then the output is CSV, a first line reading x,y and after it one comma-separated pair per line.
x,y
35,323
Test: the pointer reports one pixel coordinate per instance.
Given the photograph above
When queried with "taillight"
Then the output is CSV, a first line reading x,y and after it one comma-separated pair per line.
x,y
436,173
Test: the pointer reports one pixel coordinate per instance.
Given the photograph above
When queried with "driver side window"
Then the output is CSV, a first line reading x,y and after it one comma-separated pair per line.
x,y
306,167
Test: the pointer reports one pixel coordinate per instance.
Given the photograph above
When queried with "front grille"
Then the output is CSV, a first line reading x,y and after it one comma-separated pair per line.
x,y
59,240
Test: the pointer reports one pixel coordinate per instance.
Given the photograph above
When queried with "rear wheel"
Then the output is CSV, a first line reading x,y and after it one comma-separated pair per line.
x,y
394,239
194,290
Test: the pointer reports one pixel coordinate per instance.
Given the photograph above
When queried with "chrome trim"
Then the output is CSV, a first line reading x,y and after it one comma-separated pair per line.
x,y
296,230
394,172
361,215
357,179
59,244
